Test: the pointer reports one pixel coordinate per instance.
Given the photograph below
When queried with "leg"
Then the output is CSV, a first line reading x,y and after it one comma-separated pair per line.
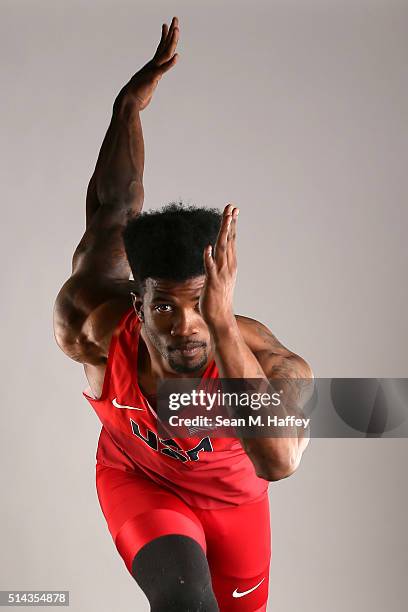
x,y
160,539
173,573
238,552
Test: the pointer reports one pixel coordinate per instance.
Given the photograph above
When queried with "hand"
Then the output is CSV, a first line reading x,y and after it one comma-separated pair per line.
x,y
140,89
216,299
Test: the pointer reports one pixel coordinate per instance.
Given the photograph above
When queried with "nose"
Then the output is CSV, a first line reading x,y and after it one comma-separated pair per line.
x,y
184,325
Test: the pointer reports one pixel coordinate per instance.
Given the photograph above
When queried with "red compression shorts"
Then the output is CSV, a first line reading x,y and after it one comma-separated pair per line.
x,y
235,539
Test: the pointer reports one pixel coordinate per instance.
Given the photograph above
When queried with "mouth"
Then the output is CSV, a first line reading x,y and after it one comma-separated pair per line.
x,y
188,350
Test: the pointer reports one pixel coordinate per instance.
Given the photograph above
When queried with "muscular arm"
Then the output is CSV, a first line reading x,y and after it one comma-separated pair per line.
x,y
100,272
92,300
254,346
246,349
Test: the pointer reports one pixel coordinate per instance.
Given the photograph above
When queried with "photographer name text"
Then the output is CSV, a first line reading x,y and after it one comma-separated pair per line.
x,y
249,421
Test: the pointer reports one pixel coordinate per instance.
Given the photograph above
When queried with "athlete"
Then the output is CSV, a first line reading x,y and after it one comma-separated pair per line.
x,y
189,516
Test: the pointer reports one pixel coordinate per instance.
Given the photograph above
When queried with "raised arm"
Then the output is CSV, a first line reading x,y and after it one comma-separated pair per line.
x,y
92,300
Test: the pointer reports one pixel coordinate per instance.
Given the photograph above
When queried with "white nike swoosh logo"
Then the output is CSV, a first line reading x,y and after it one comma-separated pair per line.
x,y
236,593
117,405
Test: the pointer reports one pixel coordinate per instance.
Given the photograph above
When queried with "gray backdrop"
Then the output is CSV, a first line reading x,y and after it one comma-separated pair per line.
x,y
295,111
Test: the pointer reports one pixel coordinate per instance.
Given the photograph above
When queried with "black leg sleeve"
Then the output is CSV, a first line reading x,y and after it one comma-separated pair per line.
x,y
173,573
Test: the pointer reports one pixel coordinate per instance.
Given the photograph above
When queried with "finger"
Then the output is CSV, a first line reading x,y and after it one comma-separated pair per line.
x,y
168,34
170,47
162,43
231,246
209,264
221,244
174,40
165,41
233,227
165,67
174,24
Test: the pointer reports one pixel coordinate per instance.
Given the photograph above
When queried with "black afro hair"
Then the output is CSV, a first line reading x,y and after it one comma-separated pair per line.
x,y
169,243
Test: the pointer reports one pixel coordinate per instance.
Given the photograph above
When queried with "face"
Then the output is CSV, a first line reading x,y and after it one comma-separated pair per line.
x,y
173,323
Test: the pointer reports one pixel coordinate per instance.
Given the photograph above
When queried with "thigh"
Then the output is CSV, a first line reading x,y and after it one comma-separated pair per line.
x,y
239,552
137,511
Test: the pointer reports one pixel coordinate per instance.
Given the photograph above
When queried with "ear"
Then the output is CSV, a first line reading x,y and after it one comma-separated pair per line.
x,y
137,302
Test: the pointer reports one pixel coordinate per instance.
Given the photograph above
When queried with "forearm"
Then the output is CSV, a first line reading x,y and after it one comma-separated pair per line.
x,y
117,182
120,165
118,175
274,457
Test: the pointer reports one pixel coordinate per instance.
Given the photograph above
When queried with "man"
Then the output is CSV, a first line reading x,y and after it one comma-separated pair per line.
x,y
189,516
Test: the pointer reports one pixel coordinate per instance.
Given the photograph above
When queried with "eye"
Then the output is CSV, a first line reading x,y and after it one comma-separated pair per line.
x,y
163,308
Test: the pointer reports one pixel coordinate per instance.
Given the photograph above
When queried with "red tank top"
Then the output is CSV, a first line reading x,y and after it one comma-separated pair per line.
x,y
205,472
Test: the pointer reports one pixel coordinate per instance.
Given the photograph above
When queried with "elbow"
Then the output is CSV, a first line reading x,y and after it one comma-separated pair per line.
x,y
126,196
274,473
276,468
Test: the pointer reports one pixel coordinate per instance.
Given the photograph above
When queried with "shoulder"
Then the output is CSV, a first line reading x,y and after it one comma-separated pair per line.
x,y
258,337
86,337
275,358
